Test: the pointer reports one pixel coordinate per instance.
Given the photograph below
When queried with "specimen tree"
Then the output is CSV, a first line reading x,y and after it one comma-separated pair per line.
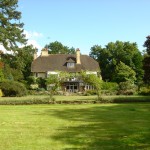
x,y
11,28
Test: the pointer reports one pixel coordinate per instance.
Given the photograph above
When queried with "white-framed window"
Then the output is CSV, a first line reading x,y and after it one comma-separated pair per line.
x,y
70,65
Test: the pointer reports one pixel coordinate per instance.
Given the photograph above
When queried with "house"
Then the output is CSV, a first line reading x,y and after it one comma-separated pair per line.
x,y
47,64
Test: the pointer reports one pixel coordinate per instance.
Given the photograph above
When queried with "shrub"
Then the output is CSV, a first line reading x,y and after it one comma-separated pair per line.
x,y
90,92
109,88
12,88
144,91
126,88
34,86
41,82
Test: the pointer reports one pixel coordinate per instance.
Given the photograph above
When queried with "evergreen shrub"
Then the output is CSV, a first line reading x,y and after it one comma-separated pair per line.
x,y
13,89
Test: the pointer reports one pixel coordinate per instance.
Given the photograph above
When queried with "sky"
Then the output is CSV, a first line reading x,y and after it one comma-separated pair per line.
x,y
85,23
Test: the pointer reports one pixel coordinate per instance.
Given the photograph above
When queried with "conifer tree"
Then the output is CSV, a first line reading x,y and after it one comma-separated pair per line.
x,y
11,30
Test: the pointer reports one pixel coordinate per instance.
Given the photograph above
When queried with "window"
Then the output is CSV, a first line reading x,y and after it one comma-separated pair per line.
x,y
70,65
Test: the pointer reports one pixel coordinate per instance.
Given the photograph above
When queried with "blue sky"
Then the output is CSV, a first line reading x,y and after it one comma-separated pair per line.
x,y
85,23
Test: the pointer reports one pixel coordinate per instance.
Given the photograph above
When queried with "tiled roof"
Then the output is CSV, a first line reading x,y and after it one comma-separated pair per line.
x,y
58,62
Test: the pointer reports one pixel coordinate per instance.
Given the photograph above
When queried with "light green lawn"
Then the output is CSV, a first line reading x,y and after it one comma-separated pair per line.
x,y
72,127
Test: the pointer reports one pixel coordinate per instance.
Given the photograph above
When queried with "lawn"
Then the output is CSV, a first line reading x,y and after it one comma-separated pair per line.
x,y
70,127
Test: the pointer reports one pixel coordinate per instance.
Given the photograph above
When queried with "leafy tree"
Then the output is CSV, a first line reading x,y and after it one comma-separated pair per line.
x,y
10,26
110,56
146,62
19,62
147,44
93,80
23,60
58,48
53,82
124,73
146,67
1,75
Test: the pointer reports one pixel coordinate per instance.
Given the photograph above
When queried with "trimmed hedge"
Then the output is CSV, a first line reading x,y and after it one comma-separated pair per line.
x,y
13,89
47,100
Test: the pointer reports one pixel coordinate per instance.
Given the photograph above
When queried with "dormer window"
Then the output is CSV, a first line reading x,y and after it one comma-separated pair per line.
x,y
70,65
71,62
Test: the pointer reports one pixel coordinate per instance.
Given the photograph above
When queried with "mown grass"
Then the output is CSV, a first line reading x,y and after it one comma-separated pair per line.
x,y
68,127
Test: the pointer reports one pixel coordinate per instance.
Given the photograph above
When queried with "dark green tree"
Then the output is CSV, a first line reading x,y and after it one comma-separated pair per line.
x,y
58,48
147,45
17,66
111,55
11,30
146,61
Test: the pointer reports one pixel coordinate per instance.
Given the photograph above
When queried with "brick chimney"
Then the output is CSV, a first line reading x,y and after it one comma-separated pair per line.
x,y
35,55
78,61
44,52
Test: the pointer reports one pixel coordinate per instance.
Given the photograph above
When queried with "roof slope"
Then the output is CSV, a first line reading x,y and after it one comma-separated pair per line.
x,y
58,62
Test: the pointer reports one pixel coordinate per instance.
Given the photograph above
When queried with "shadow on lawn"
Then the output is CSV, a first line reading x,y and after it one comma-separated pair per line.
x,y
98,127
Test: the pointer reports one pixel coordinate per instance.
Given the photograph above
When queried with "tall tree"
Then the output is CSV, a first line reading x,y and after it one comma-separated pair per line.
x,y
146,62
147,44
124,73
10,26
111,55
18,65
58,48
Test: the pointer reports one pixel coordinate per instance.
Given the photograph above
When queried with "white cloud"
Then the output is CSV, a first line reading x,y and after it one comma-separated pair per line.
x,y
32,40
34,43
32,34
33,37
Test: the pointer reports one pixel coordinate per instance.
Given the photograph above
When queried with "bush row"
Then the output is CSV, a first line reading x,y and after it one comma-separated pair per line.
x,y
47,100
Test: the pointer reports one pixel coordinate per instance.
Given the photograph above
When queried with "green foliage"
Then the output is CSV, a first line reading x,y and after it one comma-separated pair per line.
x,y
1,75
31,80
124,73
147,45
90,92
58,48
18,66
109,88
126,88
111,55
8,72
10,26
16,74
92,80
146,67
145,90
41,82
53,83
12,88
23,60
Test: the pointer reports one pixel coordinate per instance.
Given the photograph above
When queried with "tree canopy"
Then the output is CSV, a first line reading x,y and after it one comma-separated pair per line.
x,y
111,55
146,62
147,44
58,48
124,73
10,27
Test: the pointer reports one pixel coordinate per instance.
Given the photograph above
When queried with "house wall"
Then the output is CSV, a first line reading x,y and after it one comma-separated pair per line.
x,y
40,75
91,72
52,72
